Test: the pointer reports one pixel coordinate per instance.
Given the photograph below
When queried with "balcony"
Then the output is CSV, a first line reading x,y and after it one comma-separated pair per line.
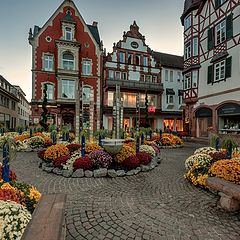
x,y
134,85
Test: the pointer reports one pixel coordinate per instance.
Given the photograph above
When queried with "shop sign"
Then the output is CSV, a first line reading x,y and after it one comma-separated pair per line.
x,y
229,109
151,109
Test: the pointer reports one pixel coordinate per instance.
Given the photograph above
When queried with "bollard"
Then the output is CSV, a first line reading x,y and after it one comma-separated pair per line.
x,y
5,169
137,145
229,151
54,137
142,139
83,146
100,140
150,134
31,132
217,144
67,136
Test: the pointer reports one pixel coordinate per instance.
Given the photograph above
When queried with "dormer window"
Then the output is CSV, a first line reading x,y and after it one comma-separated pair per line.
x,y
68,34
68,61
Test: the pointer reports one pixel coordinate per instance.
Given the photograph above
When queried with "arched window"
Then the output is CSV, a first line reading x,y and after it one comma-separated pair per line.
x,y
68,61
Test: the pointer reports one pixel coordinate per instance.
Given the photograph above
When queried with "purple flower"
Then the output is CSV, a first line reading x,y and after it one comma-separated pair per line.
x,y
100,159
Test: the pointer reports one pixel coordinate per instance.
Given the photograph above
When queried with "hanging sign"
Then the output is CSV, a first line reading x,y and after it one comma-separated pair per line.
x,y
151,109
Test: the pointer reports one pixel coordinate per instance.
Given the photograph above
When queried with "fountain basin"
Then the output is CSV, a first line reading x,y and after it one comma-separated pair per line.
x,y
112,146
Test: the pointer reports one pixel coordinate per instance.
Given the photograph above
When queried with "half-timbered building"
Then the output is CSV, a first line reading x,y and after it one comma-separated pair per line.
x,y
132,67
211,66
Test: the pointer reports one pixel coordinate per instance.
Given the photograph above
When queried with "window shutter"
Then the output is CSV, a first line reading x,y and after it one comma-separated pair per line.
x,y
228,67
217,3
210,39
229,26
210,74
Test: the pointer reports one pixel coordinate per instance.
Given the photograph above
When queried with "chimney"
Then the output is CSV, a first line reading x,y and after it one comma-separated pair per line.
x,y
94,24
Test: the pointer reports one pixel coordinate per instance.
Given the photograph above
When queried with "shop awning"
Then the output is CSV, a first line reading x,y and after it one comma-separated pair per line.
x,y
170,91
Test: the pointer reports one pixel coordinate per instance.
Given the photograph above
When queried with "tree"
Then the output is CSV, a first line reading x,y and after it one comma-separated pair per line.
x,y
43,121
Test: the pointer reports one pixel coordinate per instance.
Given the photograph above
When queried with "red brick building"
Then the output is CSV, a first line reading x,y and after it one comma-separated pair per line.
x,y
67,56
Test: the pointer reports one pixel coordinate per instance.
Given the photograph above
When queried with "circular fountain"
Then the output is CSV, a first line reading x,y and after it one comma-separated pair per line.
x,y
112,146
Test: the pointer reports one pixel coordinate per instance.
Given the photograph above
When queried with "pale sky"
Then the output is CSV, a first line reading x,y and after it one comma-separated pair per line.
x,y
158,20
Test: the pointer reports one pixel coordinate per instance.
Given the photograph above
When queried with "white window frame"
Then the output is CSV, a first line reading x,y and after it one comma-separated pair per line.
x,y
68,84
122,57
48,62
194,79
219,71
68,64
68,35
187,22
145,61
187,50
124,76
87,67
171,75
87,97
220,32
170,99
131,59
166,75
148,78
110,74
195,46
187,81
52,93
117,75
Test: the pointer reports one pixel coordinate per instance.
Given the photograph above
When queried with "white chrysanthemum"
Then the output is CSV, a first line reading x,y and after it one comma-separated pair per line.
x,y
200,158
13,220
148,149
205,150
69,164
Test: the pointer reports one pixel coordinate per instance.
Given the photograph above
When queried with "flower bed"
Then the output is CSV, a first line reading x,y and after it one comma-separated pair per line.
x,y
97,162
207,162
17,203
168,141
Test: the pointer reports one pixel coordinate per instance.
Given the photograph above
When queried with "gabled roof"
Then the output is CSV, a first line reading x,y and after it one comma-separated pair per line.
x,y
168,60
95,33
190,5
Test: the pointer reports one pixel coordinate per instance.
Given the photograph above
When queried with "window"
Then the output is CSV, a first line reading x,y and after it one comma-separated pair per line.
x,y
137,60
180,100
129,100
194,79
110,99
111,74
50,91
145,61
148,78
124,75
68,34
170,99
219,71
220,32
187,22
171,76
87,67
68,61
68,89
154,79
166,75
195,46
86,94
122,57
118,75
179,76
187,50
130,58
187,81
13,105
218,3
48,62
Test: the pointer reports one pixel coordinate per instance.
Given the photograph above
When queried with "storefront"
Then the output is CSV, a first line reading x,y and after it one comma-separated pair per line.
x,y
203,121
229,118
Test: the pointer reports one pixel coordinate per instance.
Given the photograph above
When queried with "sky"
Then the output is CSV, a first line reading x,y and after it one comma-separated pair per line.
x,y
158,21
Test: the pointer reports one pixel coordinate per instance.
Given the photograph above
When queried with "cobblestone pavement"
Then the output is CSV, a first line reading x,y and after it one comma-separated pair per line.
x,y
158,204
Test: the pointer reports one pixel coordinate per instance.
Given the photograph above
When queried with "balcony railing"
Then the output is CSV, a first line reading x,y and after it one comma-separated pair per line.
x,y
134,85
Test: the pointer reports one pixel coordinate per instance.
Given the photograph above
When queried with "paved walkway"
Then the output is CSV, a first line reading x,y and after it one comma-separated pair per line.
x,y
156,205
